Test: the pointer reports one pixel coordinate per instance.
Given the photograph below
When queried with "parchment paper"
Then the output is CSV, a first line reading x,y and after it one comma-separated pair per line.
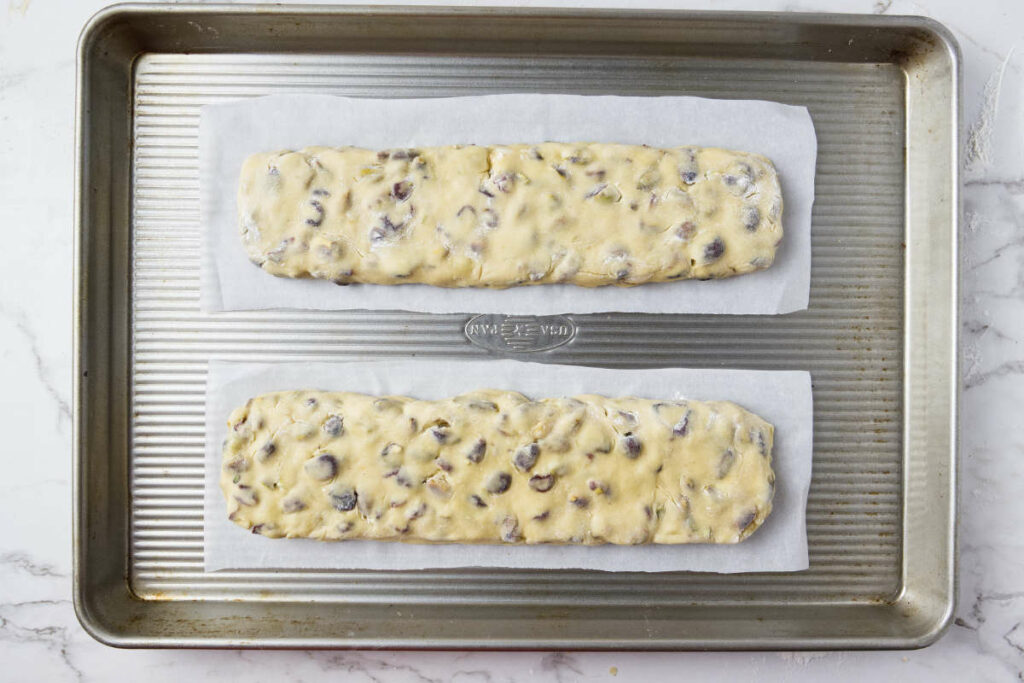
x,y
783,398
230,132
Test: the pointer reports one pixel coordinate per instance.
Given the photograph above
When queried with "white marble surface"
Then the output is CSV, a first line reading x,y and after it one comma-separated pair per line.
x,y
40,638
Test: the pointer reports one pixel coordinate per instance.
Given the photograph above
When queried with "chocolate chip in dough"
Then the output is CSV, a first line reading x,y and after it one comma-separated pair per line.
x,y
746,520
713,250
392,454
322,467
477,501
318,208
404,478
725,464
334,426
510,530
542,482
526,457
385,231
441,432
343,498
632,445
581,502
686,231
683,426
738,182
266,451
488,218
237,464
245,495
499,482
505,182
751,218
476,453
343,278
688,170
604,192
757,436
627,417
403,154
277,254
401,190
582,157
292,505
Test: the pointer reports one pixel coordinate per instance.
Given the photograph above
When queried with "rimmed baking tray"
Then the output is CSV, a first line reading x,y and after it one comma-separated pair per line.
x,y
880,336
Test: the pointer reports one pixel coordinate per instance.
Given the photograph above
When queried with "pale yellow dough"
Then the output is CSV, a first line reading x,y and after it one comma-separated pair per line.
x,y
497,467
466,216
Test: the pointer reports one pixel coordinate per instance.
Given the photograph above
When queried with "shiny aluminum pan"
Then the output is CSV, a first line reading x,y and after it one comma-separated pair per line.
x,y
880,337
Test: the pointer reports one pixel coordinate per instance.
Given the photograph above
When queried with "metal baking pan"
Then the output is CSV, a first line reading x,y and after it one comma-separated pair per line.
x,y
880,337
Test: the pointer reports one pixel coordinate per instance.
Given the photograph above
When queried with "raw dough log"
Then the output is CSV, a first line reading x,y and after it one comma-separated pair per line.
x,y
469,216
495,466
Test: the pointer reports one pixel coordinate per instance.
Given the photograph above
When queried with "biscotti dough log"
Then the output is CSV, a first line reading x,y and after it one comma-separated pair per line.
x,y
495,466
469,216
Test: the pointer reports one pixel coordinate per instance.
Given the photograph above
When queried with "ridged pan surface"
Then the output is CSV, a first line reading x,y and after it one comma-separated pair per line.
x,y
850,339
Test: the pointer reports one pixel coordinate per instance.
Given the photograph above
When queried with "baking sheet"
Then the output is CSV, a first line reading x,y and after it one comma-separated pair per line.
x,y
230,132
783,398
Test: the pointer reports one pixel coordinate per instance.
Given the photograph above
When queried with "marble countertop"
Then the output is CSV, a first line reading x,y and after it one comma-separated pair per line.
x,y
40,639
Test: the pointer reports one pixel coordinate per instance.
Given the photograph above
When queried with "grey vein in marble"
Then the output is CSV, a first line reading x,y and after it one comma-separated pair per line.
x,y
57,639
562,665
21,323
23,562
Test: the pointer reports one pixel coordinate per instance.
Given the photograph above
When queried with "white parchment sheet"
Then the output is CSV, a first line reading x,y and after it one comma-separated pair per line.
x,y
230,132
783,398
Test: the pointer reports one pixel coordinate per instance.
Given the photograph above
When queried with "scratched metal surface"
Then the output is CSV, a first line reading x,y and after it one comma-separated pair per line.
x,y
852,338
